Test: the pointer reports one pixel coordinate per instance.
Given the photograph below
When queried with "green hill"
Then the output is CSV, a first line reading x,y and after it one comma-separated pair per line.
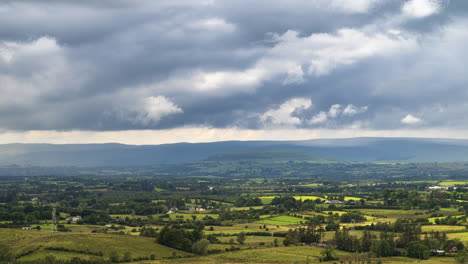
x,y
33,245
350,149
267,156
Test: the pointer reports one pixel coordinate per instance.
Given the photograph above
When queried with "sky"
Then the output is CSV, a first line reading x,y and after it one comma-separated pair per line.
x,y
152,72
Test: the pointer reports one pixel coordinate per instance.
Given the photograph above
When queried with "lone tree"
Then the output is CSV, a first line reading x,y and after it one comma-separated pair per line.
x,y
328,254
241,238
201,246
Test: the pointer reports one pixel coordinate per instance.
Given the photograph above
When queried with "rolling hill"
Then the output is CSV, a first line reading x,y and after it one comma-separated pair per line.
x,y
267,156
352,149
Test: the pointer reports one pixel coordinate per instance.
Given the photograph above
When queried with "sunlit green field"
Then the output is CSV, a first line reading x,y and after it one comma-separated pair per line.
x,y
37,242
453,183
282,220
253,240
393,213
247,227
442,228
350,198
267,255
433,219
291,254
463,236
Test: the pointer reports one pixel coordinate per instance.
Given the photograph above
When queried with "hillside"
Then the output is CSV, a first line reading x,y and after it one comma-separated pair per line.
x,y
267,156
353,149
34,245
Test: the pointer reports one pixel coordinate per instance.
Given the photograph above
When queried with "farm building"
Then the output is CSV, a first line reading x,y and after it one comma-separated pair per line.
x,y
73,218
438,188
334,202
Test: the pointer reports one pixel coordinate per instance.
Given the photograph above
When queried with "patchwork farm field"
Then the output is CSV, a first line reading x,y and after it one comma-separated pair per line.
x,y
131,220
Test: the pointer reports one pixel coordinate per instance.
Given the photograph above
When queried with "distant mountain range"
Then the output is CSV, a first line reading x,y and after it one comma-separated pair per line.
x,y
352,149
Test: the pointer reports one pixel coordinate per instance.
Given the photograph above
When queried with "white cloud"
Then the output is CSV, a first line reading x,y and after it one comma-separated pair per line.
x,y
213,24
321,53
351,110
410,120
284,115
292,59
37,69
207,134
153,109
334,111
210,81
7,51
43,46
295,75
353,6
216,82
421,8
319,118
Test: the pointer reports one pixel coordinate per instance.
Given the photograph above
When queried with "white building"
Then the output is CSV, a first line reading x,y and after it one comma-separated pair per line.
x,y
438,188
73,218
333,202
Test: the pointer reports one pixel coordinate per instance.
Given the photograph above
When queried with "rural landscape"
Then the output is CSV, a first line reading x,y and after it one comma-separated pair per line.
x,y
255,206
233,131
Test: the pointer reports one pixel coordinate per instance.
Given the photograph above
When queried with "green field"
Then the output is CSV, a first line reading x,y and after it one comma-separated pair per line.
x,y
37,241
433,219
463,236
282,220
292,254
247,227
442,228
350,198
265,255
453,183
387,213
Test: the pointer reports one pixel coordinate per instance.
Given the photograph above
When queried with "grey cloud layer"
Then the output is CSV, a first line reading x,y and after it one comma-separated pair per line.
x,y
117,65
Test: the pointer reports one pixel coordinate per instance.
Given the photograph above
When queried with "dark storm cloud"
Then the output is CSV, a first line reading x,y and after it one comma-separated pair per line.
x,y
117,65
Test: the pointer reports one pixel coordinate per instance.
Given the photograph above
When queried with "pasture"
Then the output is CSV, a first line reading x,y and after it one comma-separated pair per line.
x,y
282,220
37,244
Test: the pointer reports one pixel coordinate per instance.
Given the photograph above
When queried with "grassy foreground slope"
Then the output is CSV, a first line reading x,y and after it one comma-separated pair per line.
x,y
283,255
36,245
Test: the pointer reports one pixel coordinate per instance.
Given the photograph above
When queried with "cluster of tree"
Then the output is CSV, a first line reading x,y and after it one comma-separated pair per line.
x,y
190,241
405,198
387,244
149,232
351,217
27,214
449,220
248,201
309,235
289,204
239,215
399,226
